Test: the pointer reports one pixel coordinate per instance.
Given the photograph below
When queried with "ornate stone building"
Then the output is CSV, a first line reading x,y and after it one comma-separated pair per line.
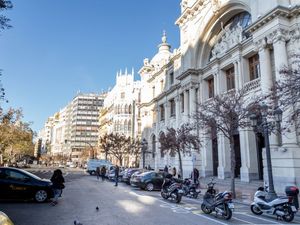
x,y
120,113
224,44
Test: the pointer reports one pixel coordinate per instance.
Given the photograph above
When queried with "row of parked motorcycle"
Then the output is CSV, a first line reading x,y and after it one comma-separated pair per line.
x,y
284,207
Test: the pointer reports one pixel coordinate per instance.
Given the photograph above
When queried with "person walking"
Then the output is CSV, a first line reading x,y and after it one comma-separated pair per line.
x,y
195,175
98,172
117,175
103,172
174,172
58,181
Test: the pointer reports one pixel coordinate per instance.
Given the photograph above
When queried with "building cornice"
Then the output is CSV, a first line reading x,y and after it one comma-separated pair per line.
x,y
190,12
278,11
188,72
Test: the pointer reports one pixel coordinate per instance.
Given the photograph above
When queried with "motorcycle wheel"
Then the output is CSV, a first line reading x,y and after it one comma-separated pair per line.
x,y
289,214
255,210
178,198
163,195
205,209
228,213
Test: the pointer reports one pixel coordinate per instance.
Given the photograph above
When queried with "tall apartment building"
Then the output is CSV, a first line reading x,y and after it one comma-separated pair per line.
x,y
74,128
84,123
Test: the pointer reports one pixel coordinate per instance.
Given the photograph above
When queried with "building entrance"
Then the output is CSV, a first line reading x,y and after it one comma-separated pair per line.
x,y
237,151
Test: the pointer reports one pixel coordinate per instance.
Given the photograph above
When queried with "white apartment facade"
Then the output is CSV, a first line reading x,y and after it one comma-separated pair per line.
x,y
224,44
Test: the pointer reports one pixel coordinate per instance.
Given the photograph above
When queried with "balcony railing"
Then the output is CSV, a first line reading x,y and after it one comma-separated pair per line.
x,y
251,85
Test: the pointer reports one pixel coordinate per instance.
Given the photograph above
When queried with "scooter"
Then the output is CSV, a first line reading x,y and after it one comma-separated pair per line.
x,y
190,189
171,189
283,207
220,203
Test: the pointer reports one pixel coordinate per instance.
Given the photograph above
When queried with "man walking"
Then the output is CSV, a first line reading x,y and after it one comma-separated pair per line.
x,y
103,172
117,175
98,172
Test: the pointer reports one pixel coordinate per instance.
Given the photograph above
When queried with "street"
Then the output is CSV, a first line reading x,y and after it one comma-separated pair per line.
x,y
120,205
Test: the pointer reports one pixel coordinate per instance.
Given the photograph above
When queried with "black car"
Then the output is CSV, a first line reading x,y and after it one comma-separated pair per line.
x,y
128,173
20,184
149,180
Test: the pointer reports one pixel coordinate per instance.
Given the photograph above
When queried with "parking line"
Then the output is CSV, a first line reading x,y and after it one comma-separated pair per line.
x,y
259,218
242,220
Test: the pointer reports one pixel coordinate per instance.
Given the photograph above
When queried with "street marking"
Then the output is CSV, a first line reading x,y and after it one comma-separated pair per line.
x,y
259,218
242,220
206,217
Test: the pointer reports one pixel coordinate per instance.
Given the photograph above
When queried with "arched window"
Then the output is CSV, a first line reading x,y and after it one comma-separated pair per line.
x,y
126,109
129,125
129,109
153,146
119,109
125,126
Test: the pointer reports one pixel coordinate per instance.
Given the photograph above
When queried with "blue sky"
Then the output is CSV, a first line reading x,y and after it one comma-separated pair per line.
x,y
58,47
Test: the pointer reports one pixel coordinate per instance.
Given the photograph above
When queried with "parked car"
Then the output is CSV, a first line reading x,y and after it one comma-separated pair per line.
x,y
20,184
4,219
128,173
149,181
111,173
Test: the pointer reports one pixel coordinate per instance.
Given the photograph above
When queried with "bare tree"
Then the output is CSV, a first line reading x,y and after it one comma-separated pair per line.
x,y
120,146
180,141
226,113
287,94
105,144
135,150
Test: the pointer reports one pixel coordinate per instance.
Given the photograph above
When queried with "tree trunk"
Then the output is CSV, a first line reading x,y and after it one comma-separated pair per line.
x,y
232,169
106,154
180,164
121,161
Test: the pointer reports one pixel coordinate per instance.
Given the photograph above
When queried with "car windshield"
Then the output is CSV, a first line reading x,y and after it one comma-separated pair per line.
x,y
31,175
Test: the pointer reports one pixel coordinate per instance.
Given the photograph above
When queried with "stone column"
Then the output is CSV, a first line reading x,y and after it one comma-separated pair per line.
x,y
192,99
249,169
167,112
177,108
289,139
186,103
201,91
236,75
265,69
206,152
224,157
216,83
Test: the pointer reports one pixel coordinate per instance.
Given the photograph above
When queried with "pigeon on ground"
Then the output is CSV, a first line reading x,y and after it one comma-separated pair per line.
x,y
97,208
76,222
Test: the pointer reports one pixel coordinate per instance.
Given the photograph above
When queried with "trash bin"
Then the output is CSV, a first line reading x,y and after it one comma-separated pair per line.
x,y
293,191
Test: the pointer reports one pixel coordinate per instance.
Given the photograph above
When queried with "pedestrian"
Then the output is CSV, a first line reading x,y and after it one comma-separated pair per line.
x,y
174,172
117,175
58,181
103,172
166,169
98,172
195,175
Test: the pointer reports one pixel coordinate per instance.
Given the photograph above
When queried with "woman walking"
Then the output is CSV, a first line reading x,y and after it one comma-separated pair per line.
x,y
58,181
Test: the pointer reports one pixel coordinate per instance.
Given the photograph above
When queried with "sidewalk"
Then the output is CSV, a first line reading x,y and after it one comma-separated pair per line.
x,y
244,190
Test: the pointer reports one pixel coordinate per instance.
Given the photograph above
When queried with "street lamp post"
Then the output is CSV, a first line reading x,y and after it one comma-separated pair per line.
x,y
144,147
265,126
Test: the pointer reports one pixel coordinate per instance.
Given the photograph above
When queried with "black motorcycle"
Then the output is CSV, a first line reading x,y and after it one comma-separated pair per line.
x,y
190,188
220,203
172,189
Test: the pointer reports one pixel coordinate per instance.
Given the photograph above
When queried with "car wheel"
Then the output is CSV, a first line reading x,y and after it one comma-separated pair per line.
x,y
41,196
149,187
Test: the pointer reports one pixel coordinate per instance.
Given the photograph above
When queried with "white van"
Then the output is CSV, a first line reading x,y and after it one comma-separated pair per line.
x,y
92,165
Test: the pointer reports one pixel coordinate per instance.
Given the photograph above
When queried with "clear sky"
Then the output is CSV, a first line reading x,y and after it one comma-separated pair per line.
x,y
58,47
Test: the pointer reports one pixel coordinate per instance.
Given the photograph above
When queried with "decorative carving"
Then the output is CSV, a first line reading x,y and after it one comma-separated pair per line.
x,y
294,34
229,38
215,6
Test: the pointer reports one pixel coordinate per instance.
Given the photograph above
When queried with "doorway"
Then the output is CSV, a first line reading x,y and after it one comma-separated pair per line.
x,y
260,144
215,156
237,150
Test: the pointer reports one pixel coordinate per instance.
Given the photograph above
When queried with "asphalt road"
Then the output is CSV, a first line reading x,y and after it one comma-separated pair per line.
x,y
122,205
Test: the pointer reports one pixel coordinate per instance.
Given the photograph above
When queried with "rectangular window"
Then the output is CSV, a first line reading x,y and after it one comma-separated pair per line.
x,y
210,83
153,91
254,68
162,112
172,108
122,95
171,78
230,78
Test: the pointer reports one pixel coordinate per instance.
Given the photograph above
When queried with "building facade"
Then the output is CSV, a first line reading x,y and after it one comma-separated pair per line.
x,y
120,114
224,45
